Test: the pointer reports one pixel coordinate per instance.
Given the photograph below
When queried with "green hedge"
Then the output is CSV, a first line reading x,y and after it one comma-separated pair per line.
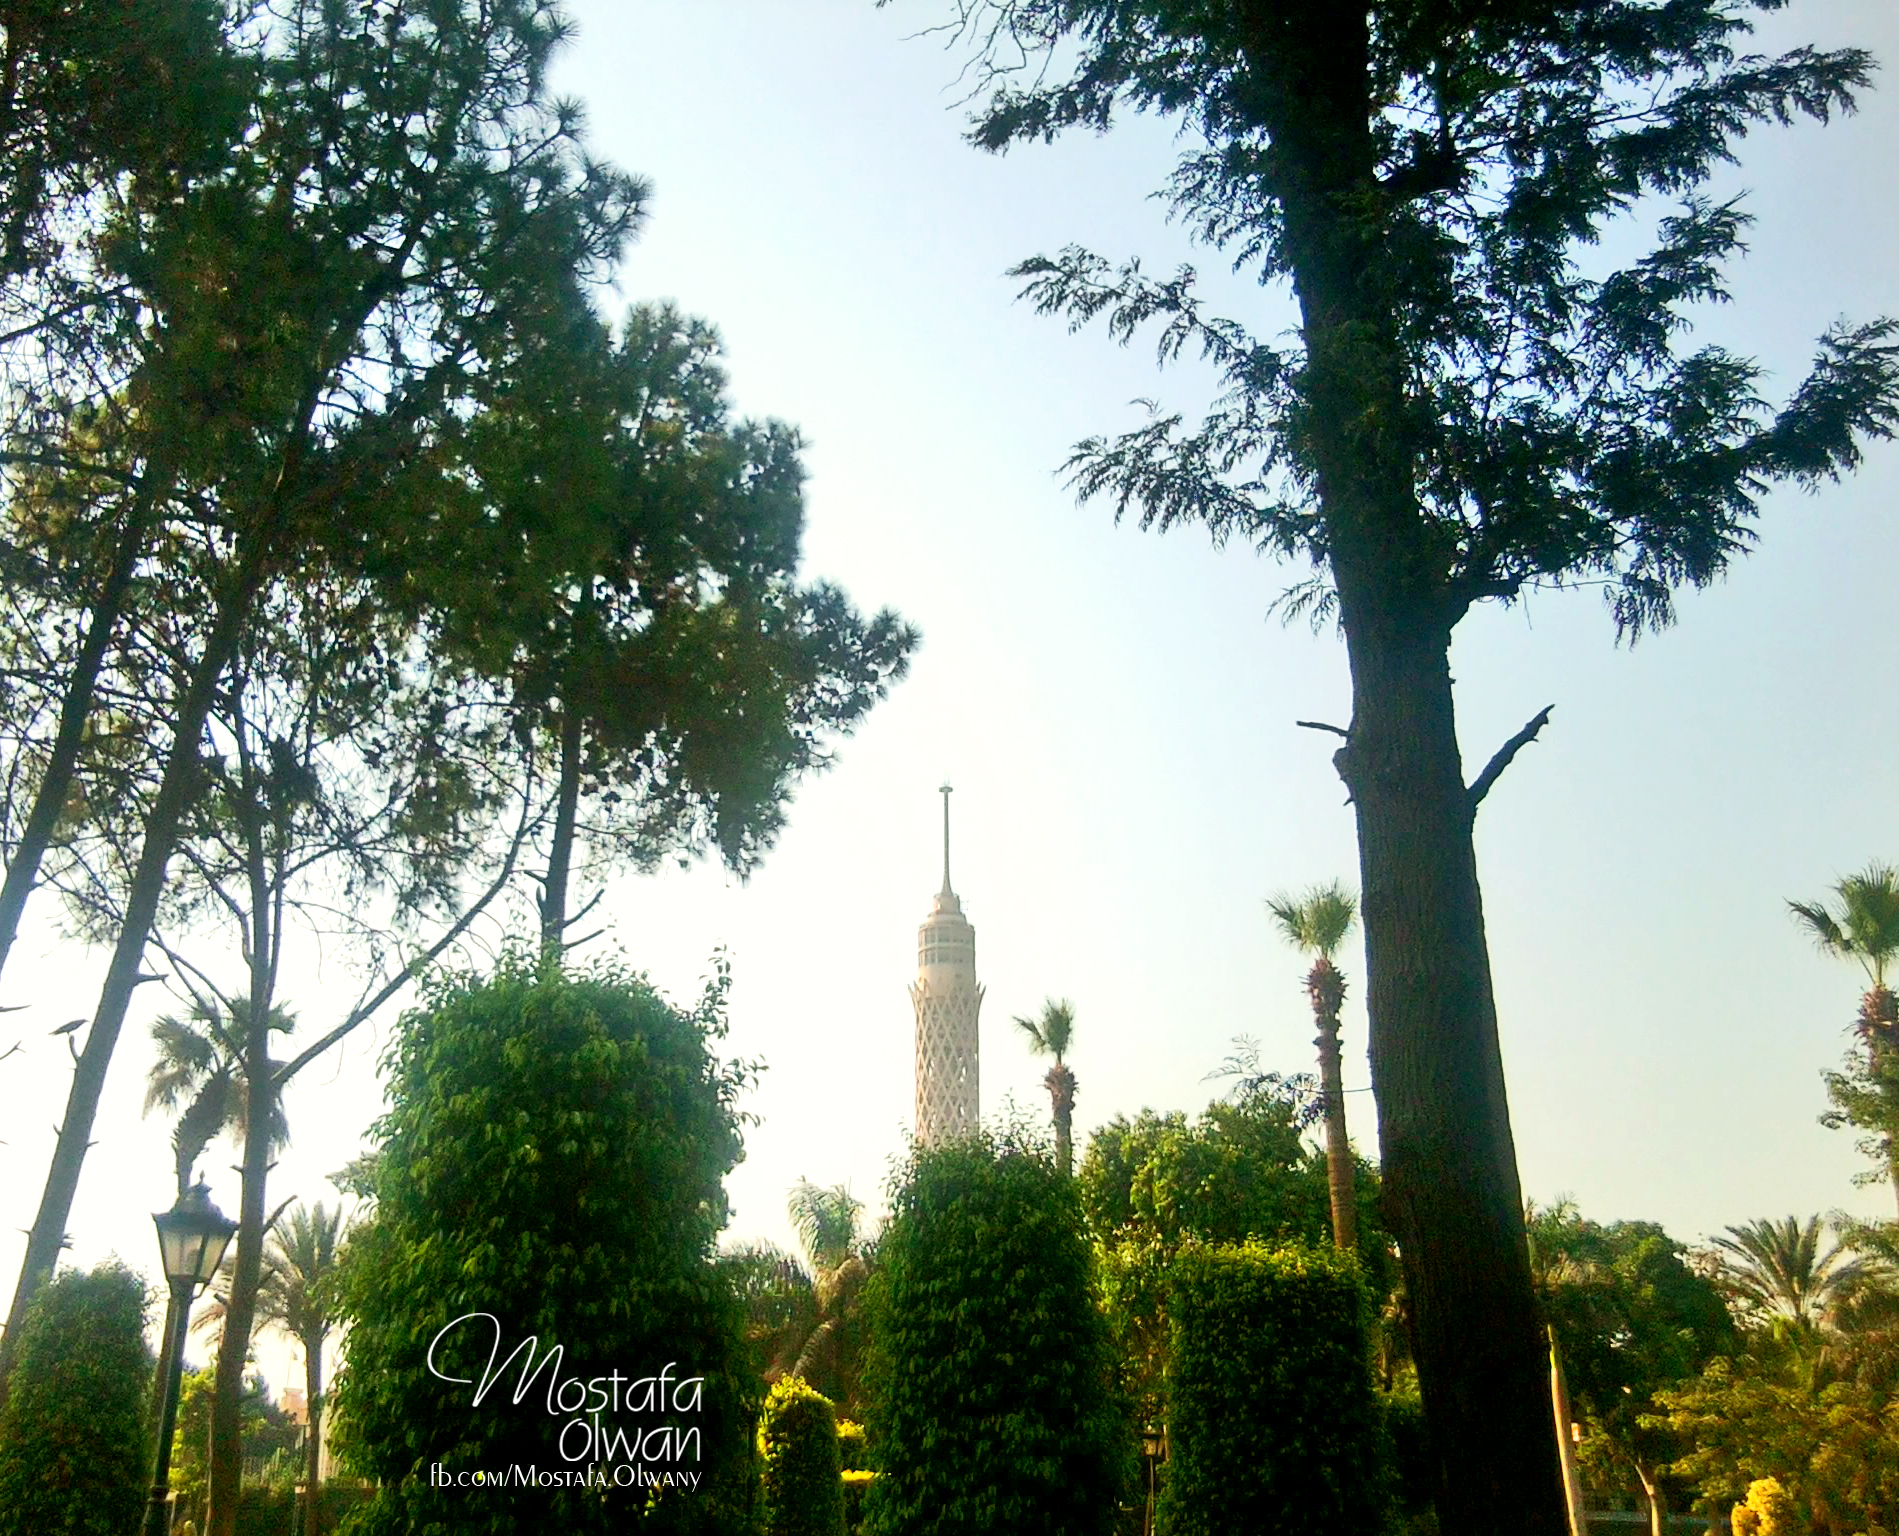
x,y
1274,1424
797,1441
551,1167
74,1458
988,1372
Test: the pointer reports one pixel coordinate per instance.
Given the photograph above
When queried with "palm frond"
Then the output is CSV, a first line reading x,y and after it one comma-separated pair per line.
x,y
1826,932
826,1221
1318,921
1054,1032
1777,1269
1865,925
187,1054
200,1063
298,1272
207,1114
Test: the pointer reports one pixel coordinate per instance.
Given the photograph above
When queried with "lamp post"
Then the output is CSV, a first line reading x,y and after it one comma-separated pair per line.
x,y
1153,1447
192,1237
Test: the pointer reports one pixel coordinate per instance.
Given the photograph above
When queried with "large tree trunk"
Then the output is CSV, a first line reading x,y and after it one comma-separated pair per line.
x,y
47,1235
1450,1190
560,856
1451,1194
75,708
1338,1146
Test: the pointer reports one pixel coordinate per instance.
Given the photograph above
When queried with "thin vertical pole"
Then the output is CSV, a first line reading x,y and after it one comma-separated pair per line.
x,y
158,1510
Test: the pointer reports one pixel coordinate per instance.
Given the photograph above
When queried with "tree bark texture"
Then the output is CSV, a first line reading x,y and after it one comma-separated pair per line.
x,y
1061,1085
1450,1190
1451,1194
47,1236
1327,989
313,1432
1338,1147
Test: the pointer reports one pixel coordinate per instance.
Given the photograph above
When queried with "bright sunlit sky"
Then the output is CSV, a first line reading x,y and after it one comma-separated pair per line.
x,y
1115,708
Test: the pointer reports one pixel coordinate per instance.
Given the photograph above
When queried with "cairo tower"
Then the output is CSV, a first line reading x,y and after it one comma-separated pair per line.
x,y
947,999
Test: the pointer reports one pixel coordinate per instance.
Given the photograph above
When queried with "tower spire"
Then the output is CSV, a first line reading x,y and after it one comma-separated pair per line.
x,y
946,791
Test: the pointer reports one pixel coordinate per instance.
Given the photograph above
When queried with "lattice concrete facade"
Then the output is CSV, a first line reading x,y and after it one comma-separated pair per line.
x,y
947,1000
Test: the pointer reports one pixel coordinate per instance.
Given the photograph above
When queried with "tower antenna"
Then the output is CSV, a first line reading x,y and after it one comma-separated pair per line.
x,y
945,791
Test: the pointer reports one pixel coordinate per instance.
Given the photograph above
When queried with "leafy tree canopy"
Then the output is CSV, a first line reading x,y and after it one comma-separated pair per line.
x,y
1630,1318
1554,425
1237,1171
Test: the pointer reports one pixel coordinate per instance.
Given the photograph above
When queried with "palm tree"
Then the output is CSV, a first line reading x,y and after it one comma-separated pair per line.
x,y
1316,925
1775,1269
779,1299
200,1066
1865,929
294,1295
1051,1035
806,1318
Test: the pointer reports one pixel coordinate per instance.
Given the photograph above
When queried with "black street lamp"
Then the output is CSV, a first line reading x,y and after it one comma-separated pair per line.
x,y
192,1237
1153,1451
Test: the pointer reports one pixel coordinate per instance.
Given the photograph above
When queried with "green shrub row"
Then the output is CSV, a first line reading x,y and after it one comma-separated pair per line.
x,y
989,1370
1274,1425
551,1167
797,1444
73,1446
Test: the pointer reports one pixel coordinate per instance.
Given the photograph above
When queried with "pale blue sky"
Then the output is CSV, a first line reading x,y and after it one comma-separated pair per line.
x,y
1116,710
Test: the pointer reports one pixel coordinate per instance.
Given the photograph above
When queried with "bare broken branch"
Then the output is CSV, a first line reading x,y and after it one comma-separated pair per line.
x,y
1493,769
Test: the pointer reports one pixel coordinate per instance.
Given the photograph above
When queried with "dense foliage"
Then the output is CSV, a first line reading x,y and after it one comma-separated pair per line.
x,y
1832,1446
1630,1318
269,1438
1864,928
74,1457
988,1370
1273,1424
802,1471
804,1317
550,1168
1238,1171
851,1454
